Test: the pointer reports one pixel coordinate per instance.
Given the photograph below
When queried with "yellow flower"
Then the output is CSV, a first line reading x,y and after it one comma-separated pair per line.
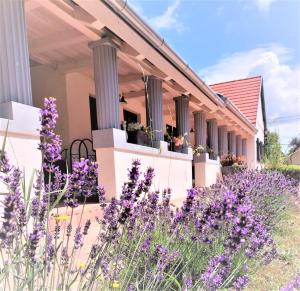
x,y
62,217
116,285
81,265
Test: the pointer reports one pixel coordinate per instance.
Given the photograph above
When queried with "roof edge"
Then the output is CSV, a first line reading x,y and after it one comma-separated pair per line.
x,y
237,80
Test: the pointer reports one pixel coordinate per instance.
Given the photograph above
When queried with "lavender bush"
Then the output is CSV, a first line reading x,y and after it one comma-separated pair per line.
x,y
142,242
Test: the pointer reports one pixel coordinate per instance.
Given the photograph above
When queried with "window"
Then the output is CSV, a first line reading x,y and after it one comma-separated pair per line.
x,y
258,150
130,117
171,130
93,113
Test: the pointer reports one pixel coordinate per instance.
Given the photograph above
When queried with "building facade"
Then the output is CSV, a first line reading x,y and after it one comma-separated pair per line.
x,y
111,74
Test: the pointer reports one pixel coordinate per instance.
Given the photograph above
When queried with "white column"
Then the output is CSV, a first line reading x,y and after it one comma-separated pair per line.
x,y
106,82
213,135
182,116
244,147
238,145
200,126
154,107
232,143
223,142
15,83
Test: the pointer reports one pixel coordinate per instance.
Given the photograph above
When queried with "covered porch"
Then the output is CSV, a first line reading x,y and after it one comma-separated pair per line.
x,y
112,75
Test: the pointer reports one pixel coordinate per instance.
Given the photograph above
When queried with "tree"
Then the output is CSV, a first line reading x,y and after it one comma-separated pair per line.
x,y
294,145
273,153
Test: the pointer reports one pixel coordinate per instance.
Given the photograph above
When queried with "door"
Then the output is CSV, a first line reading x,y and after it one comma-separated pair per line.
x,y
130,117
93,113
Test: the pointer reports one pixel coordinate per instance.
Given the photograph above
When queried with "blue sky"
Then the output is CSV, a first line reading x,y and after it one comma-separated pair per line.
x,y
232,39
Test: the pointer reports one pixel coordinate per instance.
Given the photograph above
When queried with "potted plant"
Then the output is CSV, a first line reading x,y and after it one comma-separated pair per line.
x,y
230,164
137,134
178,144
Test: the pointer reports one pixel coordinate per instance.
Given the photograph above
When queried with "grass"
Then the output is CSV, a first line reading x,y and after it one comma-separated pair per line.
x,y
287,236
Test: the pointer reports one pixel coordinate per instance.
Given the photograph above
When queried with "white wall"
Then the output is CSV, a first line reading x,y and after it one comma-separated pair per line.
x,y
207,172
78,90
260,122
261,130
22,137
115,156
72,91
47,82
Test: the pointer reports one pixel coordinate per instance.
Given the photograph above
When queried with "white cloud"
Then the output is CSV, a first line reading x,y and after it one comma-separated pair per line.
x,y
281,81
169,19
220,10
264,5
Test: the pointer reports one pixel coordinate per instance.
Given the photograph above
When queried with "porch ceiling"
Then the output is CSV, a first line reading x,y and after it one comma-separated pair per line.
x,y
58,35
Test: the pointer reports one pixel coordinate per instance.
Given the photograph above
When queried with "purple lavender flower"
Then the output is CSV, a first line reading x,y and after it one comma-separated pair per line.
x,y
50,248
78,238
101,196
240,283
69,230
293,284
187,282
56,230
5,167
86,227
217,271
128,195
50,145
14,218
33,241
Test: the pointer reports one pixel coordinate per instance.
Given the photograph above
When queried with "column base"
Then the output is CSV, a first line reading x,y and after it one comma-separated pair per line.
x,y
22,135
114,155
207,172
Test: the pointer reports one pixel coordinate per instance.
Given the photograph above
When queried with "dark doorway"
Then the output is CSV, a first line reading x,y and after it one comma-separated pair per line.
x,y
130,117
93,113
171,130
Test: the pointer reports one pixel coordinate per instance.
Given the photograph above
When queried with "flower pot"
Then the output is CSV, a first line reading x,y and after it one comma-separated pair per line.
x,y
132,137
180,149
138,137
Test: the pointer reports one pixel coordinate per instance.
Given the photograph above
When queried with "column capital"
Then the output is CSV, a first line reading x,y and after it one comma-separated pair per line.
x,y
112,41
212,119
181,97
153,77
198,111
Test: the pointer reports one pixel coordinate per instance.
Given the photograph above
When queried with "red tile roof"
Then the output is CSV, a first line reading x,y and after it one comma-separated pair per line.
x,y
244,94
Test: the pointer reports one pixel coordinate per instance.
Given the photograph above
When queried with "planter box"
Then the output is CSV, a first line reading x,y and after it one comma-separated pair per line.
x,y
138,137
180,149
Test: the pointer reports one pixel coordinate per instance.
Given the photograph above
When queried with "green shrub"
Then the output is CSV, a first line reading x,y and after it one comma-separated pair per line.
x,y
292,171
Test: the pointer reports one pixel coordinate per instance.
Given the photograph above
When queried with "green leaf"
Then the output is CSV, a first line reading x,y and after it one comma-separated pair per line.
x,y
27,197
4,140
61,194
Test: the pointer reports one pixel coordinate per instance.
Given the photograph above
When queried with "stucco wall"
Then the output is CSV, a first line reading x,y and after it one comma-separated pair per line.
x,y
207,172
261,131
22,137
260,122
251,152
294,159
78,90
115,156
47,82
72,91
